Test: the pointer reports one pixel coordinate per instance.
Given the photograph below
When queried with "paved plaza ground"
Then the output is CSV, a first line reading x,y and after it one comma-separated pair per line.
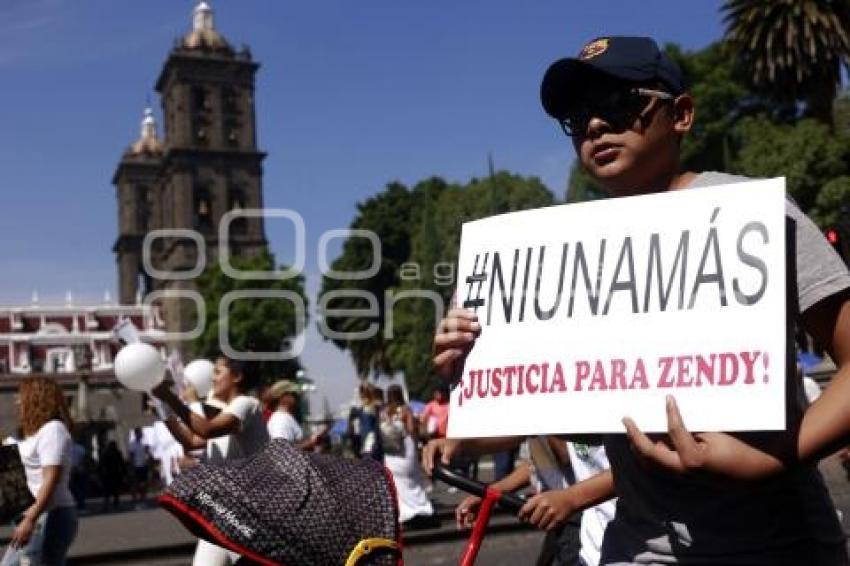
x,y
149,535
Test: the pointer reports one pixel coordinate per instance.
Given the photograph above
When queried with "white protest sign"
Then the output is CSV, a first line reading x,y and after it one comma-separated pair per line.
x,y
595,311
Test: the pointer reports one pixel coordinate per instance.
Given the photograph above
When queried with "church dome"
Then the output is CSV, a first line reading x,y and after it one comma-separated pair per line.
x,y
148,143
204,36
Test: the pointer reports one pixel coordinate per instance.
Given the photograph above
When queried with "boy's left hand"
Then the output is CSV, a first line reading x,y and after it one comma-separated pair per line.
x,y
548,509
715,452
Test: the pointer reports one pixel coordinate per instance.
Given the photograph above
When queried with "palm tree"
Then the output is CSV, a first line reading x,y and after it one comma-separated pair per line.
x,y
792,48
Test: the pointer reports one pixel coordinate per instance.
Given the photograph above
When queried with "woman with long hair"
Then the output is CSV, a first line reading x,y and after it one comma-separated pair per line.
x,y
398,438
240,420
44,532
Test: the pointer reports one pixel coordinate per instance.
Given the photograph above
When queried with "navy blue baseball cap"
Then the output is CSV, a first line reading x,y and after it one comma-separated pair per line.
x,y
633,59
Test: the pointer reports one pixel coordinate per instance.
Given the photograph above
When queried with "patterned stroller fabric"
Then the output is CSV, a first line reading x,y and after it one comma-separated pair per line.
x,y
284,506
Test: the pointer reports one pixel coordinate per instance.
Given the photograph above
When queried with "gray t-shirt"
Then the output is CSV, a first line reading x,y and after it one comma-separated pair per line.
x,y
668,518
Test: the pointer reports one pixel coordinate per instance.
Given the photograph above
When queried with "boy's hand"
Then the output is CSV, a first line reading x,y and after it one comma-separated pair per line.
x,y
715,452
444,447
453,340
548,509
466,511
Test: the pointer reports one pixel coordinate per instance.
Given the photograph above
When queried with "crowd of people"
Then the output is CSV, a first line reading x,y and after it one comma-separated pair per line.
x,y
230,423
382,426
712,498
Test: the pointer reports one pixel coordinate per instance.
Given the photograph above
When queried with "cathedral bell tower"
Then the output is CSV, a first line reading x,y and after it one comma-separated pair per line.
x,y
207,165
137,181
211,164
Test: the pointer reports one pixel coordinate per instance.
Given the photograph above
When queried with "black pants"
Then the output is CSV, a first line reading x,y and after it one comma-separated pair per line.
x,y
562,544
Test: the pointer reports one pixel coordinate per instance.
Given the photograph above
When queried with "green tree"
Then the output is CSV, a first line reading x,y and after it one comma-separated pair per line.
x,y
435,239
841,113
254,324
420,233
422,293
807,154
833,202
388,216
792,48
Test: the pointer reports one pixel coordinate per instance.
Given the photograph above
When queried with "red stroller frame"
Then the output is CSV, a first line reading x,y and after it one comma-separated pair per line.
x,y
489,497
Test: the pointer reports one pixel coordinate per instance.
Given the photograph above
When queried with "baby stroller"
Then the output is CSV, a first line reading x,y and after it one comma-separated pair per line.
x,y
283,506
286,507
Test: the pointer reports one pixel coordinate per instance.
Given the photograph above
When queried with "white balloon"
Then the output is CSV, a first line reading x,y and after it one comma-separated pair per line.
x,y
139,367
200,374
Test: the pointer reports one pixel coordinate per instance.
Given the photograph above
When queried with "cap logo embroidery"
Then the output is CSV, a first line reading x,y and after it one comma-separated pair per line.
x,y
594,49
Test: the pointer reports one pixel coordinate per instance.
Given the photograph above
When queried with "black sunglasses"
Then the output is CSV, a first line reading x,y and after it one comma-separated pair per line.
x,y
619,107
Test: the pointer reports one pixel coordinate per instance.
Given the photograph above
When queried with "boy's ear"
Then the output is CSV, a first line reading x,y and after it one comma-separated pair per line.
x,y
683,113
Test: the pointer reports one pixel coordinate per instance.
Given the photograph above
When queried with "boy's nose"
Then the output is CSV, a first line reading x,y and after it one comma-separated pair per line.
x,y
596,127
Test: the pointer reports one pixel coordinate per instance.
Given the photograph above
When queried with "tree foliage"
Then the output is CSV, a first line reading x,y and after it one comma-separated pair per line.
x,y
254,324
807,154
435,242
387,215
742,129
419,229
833,202
792,49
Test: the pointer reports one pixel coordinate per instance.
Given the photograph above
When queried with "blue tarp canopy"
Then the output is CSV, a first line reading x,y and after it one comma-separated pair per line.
x,y
808,360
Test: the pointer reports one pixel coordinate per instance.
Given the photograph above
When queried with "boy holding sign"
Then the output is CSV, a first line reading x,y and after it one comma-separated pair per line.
x,y
711,498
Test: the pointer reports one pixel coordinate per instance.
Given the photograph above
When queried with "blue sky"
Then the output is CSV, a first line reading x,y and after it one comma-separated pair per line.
x,y
350,96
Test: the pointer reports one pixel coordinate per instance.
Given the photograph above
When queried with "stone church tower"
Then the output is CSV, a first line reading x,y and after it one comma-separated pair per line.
x,y
206,164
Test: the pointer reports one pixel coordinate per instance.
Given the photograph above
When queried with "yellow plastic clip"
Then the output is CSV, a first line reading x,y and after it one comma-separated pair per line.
x,y
367,546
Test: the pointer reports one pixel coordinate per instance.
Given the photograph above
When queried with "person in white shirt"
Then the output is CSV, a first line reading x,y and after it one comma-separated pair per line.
x,y
44,532
282,423
241,421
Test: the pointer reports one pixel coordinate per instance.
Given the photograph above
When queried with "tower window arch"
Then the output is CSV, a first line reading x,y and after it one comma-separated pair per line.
x,y
203,208
143,208
201,106
229,100
236,201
